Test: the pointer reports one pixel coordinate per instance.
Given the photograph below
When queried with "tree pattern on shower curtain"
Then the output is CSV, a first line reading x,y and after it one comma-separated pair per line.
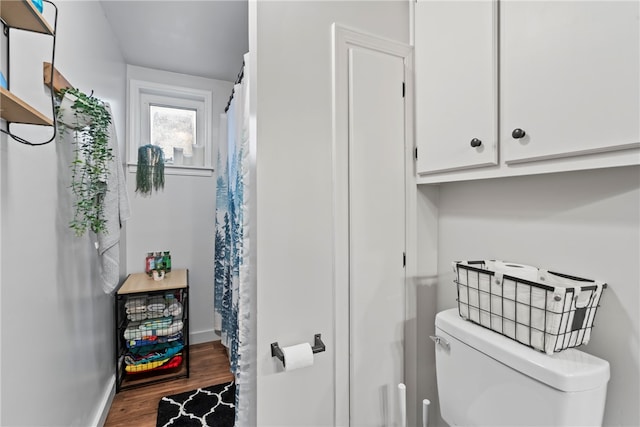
x,y
228,239
234,287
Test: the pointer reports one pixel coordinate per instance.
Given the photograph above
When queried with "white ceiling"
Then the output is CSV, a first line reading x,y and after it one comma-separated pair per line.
x,y
201,38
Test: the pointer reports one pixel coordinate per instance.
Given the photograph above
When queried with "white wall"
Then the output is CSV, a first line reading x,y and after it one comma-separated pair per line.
x,y
582,223
424,293
57,324
292,43
181,217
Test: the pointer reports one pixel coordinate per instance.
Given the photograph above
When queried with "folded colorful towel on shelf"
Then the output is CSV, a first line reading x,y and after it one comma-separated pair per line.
x,y
156,346
145,366
152,339
148,340
154,366
158,323
135,332
151,356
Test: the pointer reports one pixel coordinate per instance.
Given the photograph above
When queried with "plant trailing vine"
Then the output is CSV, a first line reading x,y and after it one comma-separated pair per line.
x,y
92,155
150,172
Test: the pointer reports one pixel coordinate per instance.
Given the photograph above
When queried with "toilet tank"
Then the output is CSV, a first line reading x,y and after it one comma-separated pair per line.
x,y
486,379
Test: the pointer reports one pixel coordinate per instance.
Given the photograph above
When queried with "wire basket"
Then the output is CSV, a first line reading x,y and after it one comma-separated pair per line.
x,y
544,310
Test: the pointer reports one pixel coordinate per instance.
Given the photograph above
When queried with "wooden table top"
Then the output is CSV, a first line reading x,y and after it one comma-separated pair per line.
x,y
141,282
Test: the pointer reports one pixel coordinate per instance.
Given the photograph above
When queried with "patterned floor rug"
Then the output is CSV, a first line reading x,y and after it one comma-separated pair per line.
x,y
205,407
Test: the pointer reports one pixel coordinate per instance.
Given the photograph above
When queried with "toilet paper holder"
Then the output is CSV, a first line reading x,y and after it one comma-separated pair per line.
x,y
318,346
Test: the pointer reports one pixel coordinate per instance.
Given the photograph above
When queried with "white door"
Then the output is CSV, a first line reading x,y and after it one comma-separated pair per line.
x,y
371,177
456,84
570,78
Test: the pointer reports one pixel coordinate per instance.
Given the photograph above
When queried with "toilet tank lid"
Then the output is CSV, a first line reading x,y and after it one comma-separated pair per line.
x,y
570,370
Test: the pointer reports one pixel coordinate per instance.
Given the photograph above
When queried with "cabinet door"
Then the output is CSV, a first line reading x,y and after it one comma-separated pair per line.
x,y
456,84
569,78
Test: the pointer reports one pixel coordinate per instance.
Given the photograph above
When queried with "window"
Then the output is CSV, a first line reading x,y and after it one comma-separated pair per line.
x,y
178,119
173,129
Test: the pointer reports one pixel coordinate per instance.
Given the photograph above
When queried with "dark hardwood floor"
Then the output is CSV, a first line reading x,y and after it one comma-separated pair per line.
x,y
137,407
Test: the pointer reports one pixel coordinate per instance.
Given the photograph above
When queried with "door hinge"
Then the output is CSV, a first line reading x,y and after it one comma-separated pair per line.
x,y
404,259
415,153
403,89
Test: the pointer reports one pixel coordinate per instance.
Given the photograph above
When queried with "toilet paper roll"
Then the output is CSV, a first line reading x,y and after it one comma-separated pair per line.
x,y
187,160
297,356
177,155
198,154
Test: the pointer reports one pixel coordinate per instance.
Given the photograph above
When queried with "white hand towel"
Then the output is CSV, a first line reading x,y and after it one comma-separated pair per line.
x,y
137,316
116,210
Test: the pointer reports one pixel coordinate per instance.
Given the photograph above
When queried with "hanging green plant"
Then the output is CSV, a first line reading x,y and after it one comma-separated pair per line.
x,y
150,172
89,120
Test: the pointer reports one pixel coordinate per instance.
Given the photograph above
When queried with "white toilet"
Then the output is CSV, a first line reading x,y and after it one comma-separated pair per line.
x,y
486,379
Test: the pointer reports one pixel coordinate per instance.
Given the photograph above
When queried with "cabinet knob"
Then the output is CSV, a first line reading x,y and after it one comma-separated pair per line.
x,y
475,142
518,133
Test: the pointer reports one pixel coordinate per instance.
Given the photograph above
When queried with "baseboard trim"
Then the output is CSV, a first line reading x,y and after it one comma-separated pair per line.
x,y
105,403
198,337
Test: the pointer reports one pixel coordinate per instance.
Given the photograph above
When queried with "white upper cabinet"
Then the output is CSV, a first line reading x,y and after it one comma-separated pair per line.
x,y
569,78
561,79
456,84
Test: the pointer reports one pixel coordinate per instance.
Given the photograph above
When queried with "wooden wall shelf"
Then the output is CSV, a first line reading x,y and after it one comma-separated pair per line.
x,y
59,82
15,110
23,15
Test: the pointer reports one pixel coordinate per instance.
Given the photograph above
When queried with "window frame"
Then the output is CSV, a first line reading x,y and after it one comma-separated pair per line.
x,y
144,93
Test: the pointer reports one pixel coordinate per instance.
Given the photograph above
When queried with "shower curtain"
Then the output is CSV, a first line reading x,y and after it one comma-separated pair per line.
x,y
232,296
